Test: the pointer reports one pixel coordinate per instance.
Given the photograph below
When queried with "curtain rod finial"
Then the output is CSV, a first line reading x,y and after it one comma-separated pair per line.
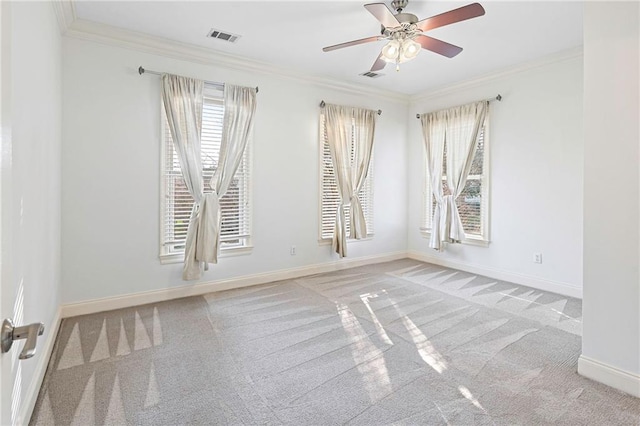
x,y
379,112
499,97
322,104
140,70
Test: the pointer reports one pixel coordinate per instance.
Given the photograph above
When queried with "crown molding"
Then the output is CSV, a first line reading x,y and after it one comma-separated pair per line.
x,y
110,35
65,13
82,29
498,75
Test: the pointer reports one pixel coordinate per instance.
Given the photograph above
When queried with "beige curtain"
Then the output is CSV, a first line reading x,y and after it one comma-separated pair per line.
x,y
433,131
182,98
239,111
463,127
350,133
458,128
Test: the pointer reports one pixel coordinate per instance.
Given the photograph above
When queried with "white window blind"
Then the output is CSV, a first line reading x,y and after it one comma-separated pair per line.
x,y
177,202
329,196
472,203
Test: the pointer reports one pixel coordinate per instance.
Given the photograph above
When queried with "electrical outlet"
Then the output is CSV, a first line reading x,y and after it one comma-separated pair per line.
x,y
537,257
292,251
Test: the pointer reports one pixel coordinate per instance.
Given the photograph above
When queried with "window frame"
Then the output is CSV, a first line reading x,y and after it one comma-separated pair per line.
x,y
167,256
369,218
426,220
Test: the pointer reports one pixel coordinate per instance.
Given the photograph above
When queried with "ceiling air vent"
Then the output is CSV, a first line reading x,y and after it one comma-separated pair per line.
x,y
221,35
371,74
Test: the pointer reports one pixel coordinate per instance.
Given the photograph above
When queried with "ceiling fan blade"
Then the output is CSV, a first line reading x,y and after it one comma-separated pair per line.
x,y
438,46
451,17
383,14
351,43
379,64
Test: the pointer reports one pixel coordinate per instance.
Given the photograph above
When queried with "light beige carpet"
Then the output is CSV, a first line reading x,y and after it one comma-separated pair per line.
x,y
395,343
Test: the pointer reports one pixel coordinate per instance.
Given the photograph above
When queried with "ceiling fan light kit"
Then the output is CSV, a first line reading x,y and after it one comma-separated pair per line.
x,y
400,49
406,34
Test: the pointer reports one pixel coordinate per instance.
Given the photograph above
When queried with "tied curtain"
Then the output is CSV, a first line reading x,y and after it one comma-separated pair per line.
x,y
458,128
350,134
433,129
183,99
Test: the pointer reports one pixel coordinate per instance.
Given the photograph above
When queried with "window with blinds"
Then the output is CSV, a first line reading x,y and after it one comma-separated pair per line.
x,y
177,203
329,196
472,203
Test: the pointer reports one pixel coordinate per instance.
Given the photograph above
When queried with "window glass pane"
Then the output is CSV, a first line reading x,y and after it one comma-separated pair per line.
x,y
469,207
444,160
478,159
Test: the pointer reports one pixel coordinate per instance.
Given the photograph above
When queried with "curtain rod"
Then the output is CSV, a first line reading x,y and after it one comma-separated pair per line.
x,y
497,98
213,83
322,105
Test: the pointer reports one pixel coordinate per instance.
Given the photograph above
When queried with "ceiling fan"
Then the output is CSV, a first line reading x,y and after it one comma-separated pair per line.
x,y
406,34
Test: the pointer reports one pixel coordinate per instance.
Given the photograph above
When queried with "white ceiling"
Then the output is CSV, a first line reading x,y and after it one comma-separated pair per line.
x,y
291,34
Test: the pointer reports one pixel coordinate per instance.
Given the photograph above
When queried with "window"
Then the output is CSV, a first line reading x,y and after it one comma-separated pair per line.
x,y
473,205
329,196
176,203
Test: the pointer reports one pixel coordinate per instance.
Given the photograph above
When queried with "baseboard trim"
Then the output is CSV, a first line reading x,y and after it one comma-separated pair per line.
x,y
135,299
526,280
611,376
31,396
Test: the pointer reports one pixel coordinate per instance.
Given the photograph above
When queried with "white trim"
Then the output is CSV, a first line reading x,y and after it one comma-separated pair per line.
x,y
166,259
611,376
468,240
42,362
82,29
135,299
107,34
162,255
486,184
446,89
329,241
65,13
502,275
74,27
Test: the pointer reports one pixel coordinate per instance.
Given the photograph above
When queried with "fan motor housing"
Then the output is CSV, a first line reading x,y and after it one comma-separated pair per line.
x,y
403,18
398,5
406,18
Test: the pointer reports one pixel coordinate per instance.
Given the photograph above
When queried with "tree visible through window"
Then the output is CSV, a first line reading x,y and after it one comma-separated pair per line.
x,y
177,203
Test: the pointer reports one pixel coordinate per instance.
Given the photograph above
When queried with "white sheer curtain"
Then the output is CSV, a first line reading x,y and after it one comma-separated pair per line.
x,y
239,111
463,126
458,128
182,98
433,131
350,133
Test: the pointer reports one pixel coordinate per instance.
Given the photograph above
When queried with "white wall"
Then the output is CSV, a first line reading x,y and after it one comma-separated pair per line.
x,y
111,173
611,336
35,187
536,176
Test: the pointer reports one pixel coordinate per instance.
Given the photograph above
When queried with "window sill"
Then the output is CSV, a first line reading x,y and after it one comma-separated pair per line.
x,y
166,259
471,241
328,241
